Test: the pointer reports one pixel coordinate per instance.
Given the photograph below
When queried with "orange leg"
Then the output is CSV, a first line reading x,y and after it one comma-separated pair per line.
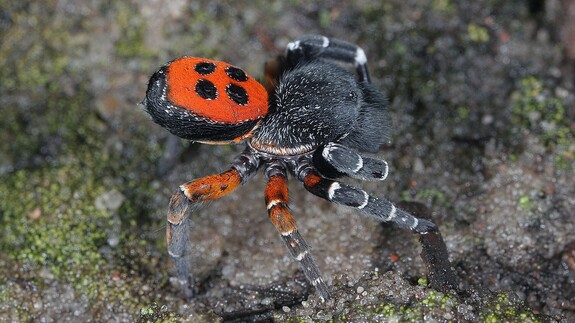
x,y
276,196
188,197
200,190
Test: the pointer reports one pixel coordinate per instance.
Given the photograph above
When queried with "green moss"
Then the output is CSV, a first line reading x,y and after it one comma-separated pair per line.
x,y
56,162
155,313
525,202
463,112
427,306
131,43
427,196
444,6
437,306
438,299
324,18
389,310
503,308
296,320
477,33
537,110
422,281
38,39
51,143
49,220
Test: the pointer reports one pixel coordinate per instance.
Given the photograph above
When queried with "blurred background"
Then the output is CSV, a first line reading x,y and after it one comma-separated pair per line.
x,y
482,101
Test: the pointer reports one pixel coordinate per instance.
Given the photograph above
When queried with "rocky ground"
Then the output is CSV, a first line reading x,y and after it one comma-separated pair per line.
x,y
481,95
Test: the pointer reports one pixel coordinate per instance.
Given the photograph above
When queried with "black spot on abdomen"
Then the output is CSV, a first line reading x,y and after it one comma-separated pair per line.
x,y
236,74
237,93
206,89
205,68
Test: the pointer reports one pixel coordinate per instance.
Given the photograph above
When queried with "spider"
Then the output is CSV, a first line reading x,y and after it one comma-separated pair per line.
x,y
314,120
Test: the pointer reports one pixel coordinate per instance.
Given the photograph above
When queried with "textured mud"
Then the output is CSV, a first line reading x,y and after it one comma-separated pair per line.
x,y
481,95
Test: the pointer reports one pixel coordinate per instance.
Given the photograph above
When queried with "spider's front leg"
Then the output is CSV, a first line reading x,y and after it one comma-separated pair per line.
x,y
189,197
379,208
312,47
276,197
335,159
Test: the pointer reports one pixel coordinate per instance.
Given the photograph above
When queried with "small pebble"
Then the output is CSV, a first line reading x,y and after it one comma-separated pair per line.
x,y
266,301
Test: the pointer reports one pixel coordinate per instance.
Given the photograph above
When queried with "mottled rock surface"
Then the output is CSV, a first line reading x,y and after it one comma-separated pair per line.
x,y
481,96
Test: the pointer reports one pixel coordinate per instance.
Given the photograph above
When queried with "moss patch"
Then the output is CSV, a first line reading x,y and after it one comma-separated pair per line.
x,y
536,110
50,221
504,308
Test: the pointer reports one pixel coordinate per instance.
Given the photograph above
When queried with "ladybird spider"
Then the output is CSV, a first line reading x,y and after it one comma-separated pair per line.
x,y
313,121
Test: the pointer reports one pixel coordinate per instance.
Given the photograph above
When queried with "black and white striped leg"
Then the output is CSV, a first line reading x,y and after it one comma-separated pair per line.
x,y
299,250
315,46
379,208
347,161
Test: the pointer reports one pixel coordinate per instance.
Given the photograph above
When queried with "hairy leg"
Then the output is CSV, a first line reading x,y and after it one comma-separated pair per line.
x,y
379,208
276,196
336,159
315,46
189,197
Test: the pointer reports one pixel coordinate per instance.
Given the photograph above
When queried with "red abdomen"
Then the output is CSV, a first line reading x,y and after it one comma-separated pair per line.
x,y
205,100
215,90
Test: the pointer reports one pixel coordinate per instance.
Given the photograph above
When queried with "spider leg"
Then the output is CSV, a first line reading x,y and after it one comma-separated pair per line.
x,y
314,46
379,208
347,161
276,197
189,197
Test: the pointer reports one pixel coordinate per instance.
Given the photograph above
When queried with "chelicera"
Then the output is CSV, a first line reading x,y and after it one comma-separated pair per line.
x,y
314,120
